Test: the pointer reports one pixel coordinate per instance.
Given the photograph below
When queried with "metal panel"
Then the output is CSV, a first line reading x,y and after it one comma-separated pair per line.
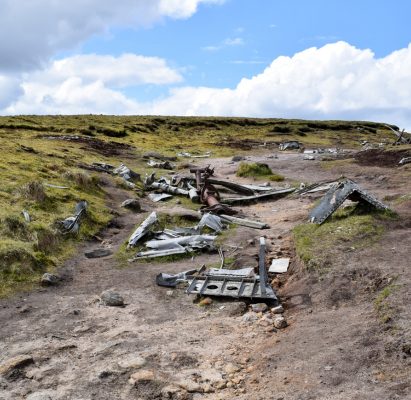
x,y
337,195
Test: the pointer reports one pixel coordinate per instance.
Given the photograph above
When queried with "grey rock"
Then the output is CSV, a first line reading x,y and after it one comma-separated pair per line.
x,y
43,395
111,298
132,362
280,322
259,307
190,386
265,184
234,309
238,158
277,310
132,204
214,378
250,316
48,279
98,253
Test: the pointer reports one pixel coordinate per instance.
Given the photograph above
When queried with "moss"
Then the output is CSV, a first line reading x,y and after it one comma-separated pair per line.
x,y
319,245
382,304
257,170
30,159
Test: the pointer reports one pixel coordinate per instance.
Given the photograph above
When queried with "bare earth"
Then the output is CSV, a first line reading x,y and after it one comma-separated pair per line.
x,y
72,347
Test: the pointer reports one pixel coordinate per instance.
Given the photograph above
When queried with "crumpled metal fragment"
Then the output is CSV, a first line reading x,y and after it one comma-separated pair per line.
x,y
71,224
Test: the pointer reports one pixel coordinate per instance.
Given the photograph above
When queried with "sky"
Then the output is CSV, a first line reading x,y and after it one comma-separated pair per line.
x,y
315,59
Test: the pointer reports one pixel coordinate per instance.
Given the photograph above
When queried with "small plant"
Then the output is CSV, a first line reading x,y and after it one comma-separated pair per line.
x,y
122,184
46,240
184,165
16,227
33,190
80,178
257,170
19,261
276,178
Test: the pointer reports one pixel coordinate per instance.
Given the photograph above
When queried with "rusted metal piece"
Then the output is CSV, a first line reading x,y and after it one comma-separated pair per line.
x,y
398,135
209,195
399,138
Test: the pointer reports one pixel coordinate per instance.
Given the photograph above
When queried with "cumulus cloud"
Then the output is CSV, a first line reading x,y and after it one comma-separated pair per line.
x,y
32,31
336,81
86,82
126,70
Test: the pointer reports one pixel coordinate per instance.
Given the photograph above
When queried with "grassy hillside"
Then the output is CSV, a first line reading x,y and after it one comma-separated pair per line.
x,y
34,152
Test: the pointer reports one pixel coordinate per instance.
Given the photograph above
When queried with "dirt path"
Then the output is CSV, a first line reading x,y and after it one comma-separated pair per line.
x,y
69,346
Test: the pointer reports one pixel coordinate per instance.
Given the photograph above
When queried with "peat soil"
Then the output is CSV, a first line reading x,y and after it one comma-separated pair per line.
x,y
60,343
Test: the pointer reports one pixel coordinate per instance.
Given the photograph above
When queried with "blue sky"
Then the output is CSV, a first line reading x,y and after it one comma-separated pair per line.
x,y
263,58
268,29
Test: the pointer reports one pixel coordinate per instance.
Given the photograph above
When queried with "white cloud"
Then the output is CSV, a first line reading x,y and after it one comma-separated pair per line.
x,y
211,48
32,31
273,26
126,70
85,81
336,81
234,42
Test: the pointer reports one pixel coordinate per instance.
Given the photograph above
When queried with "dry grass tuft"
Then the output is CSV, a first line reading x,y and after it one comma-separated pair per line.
x,y
81,178
46,240
33,190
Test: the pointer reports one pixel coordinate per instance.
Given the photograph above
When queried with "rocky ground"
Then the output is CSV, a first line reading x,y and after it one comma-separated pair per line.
x,y
61,343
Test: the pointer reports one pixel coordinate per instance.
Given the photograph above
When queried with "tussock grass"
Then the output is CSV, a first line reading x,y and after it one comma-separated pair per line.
x,y
33,190
81,178
257,170
29,158
319,245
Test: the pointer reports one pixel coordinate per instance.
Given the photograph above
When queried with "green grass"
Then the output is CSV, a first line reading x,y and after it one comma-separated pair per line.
x,y
320,245
382,304
256,170
29,160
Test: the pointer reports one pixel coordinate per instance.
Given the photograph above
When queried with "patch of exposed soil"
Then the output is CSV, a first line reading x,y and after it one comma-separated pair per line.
x,y
245,144
379,157
100,146
334,347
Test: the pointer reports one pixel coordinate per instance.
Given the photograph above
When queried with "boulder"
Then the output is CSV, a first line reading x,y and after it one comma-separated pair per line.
x,y
132,204
98,253
250,316
48,279
259,307
8,368
280,322
238,158
111,298
277,310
